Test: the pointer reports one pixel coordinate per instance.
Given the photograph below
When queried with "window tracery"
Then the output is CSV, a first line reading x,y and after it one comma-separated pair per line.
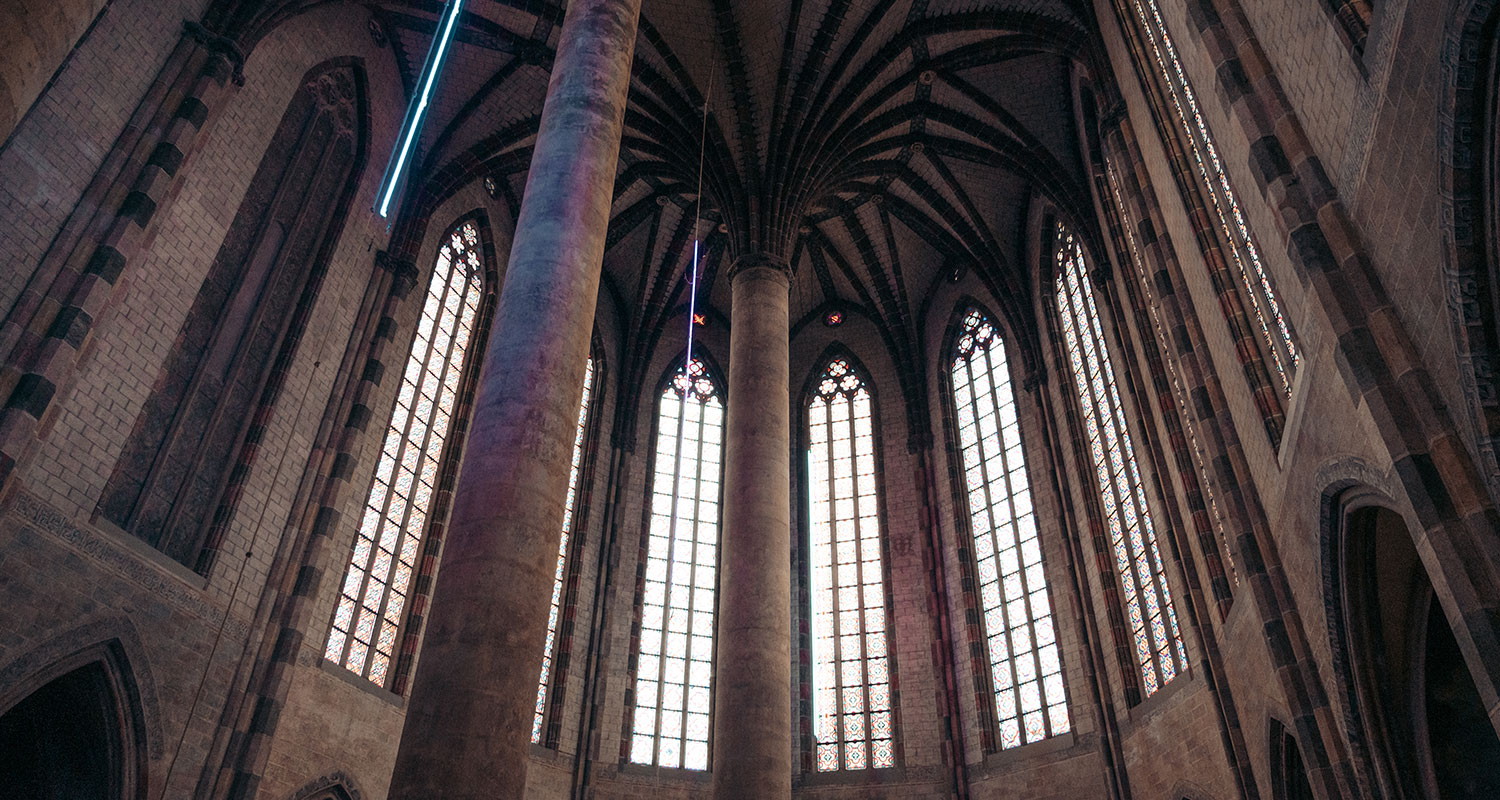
x,y
853,724
377,579
674,661
1159,650
1021,640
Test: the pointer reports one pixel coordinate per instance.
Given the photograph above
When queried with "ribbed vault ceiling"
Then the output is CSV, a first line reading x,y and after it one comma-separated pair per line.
x,y
878,146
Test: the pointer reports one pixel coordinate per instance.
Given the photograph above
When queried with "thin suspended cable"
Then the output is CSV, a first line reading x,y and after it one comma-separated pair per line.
x,y
698,221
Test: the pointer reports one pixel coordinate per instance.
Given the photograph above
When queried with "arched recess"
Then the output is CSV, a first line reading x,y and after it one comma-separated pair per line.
x,y
333,786
999,519
177,482
1288,771
1469,181
668,719
389,573
74,730
829,662
1411,709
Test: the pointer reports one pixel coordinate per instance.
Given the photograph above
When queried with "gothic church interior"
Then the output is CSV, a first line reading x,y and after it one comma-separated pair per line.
x,y
671,399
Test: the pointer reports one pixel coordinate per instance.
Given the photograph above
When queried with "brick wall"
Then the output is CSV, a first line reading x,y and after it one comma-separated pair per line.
x,y
95,573
67,580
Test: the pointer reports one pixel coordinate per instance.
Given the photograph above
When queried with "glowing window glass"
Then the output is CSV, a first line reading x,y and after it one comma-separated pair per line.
x,y
1030,701
1148,600
1274,329
562,556
851,668
1179,392
368,616
674,671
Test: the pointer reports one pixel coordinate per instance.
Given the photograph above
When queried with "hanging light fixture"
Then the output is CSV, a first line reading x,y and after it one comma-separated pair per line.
x,y
416,111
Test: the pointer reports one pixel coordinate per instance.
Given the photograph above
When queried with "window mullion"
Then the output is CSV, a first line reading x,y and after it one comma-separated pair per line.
x,y
692,587
416,478
835,580
859,589
1011,624
666,609
1104,416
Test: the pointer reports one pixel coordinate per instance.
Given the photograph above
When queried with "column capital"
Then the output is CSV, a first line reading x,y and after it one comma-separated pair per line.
x,y
224,52
403,271
759,260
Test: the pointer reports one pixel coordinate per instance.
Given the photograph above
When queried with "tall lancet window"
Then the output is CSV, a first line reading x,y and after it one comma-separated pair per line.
x,y
1274,330
851,668
376,582
548,652
1148,600
674,667
1025,665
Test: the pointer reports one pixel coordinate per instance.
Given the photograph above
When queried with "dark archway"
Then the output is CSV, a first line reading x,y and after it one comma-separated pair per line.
x,y
1288,771
1413,709
67,741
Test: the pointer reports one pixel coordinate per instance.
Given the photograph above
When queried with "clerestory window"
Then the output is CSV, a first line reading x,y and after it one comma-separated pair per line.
x,y
377,580
1021,639
1150,614
549,650
853,726
670,722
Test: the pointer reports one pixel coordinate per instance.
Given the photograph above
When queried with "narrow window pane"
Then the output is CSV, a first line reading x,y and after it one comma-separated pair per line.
x,y
367,619
1179,392
1017,620
851,678
562,555
1148,600
1272,326
670,722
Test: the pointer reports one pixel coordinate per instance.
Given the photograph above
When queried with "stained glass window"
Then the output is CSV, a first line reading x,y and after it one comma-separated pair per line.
x,y
368,615
1148,600
674,668
1274,329
1025,664
562,555
851,668
1178,391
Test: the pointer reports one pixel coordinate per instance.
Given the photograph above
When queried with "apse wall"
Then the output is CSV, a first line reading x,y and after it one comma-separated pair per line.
x,y
1262,661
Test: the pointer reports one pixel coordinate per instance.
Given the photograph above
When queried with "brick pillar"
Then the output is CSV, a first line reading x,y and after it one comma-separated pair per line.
x,y
752,745
468,723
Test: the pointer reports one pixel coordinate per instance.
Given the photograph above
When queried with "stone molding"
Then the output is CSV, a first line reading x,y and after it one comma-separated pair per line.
x,y
760,260
36,515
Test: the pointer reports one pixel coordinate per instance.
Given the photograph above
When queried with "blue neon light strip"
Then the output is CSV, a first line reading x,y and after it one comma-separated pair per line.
x,y
692,301
418,109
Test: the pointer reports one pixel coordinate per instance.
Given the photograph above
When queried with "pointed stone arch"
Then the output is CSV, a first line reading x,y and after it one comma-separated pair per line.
x,y
336,785
1413,717
70,700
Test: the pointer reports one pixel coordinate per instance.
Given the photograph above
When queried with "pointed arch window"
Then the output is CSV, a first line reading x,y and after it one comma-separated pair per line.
x,y
853,723
674,658
549,653
1025,664
1274,330
368,615
1152,618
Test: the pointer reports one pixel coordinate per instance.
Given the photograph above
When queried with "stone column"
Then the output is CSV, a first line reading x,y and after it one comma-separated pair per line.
x,y
752,746
468,723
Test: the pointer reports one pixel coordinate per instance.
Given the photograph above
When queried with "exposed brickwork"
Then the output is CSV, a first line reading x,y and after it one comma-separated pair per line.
x,y
1351,131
